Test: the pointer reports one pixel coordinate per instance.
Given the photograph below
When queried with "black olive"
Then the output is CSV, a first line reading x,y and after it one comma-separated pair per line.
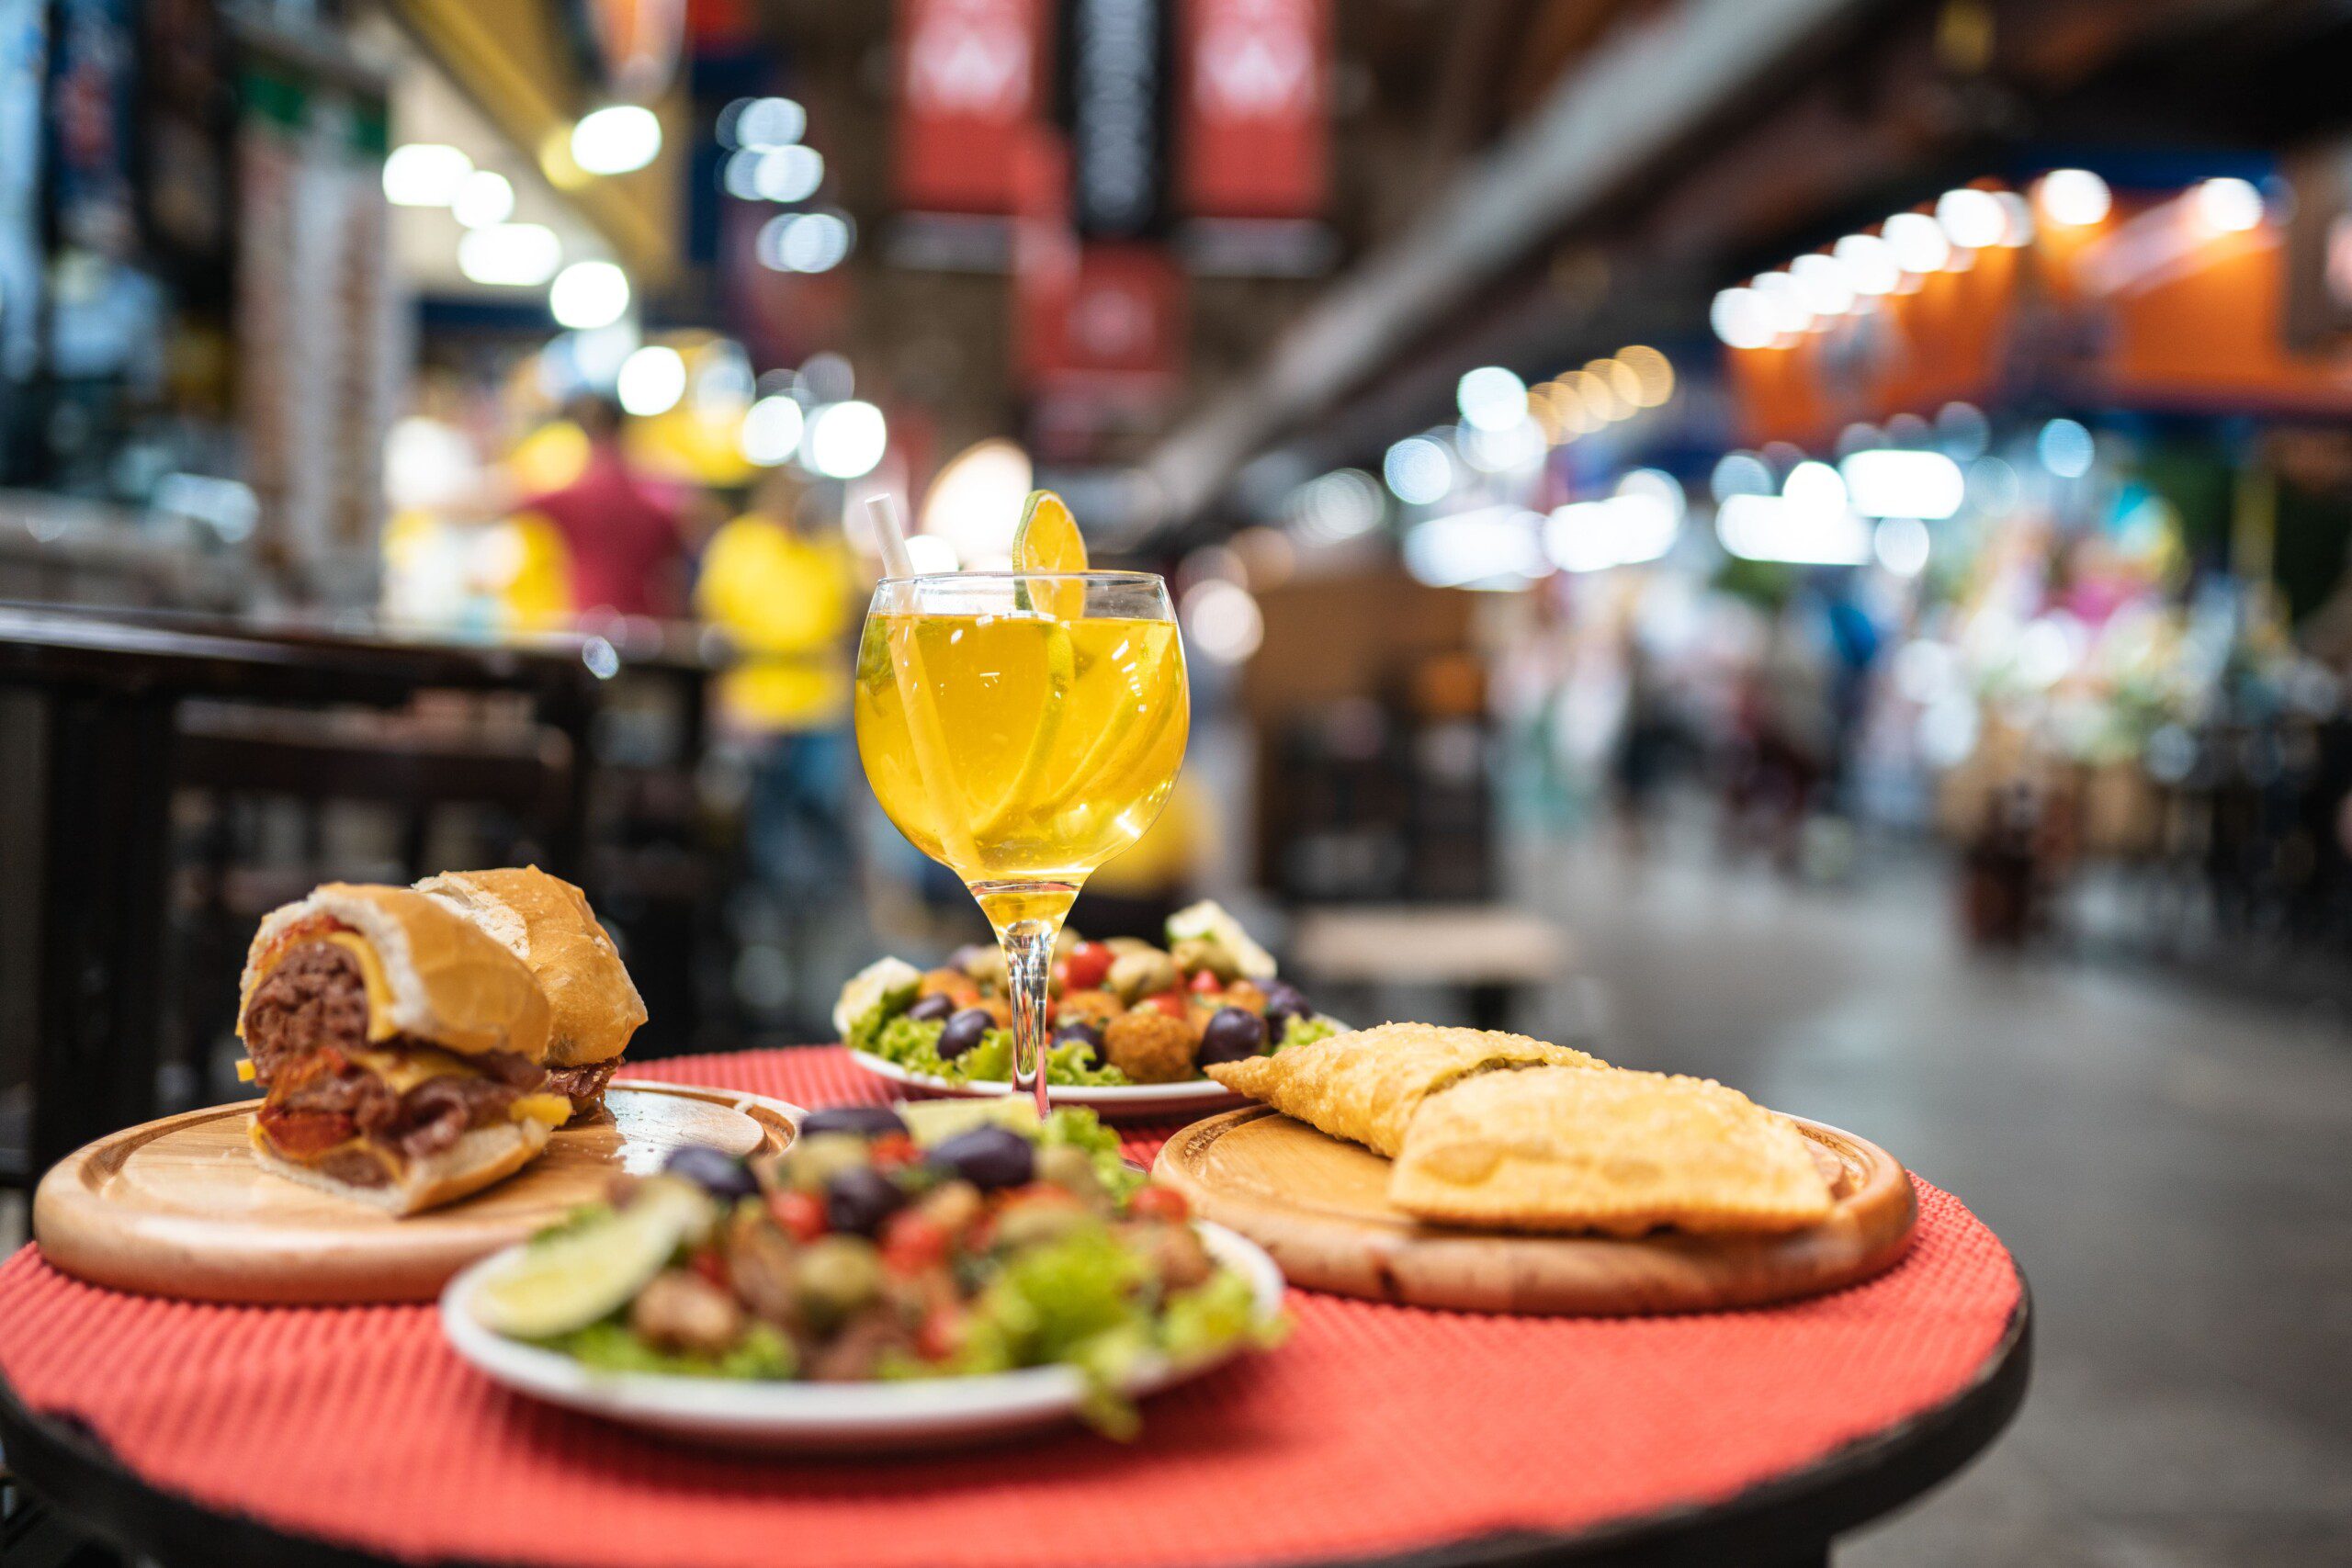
x,y
859,1198
988,1158
863,1120
716,1171
1232,1034
932,1009
963,1031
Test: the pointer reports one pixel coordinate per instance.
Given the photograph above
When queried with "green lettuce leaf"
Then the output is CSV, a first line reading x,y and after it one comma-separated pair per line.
x,y
1307,1032
913,1043
613,1346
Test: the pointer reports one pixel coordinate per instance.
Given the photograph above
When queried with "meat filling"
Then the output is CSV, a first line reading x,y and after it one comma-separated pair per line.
x,y
304,1018
584,1085
315,996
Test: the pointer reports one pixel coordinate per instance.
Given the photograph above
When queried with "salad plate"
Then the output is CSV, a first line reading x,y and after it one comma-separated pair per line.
x,y
1113,1102
803,1418
1134,1024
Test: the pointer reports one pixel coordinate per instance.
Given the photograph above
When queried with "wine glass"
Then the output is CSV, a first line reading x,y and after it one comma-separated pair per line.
x,y
1021,728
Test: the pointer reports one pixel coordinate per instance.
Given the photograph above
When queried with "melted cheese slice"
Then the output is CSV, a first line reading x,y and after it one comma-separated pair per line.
x,y
371,972
404,1070
552,1110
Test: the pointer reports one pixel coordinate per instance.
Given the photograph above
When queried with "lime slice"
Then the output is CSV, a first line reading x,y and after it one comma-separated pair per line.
x,y
931,1122
576,1277
1048,538
886,982
1109,741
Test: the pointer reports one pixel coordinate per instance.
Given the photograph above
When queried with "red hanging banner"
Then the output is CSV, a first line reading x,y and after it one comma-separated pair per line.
x,y
970,78
1103,318
1254,114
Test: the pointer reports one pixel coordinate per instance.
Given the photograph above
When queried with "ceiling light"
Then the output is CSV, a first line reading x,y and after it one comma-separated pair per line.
x,y
590,294
1653,374
780,173
1971,218
1870,263
762,123
2065,448
771,433
1823,286
1418,470
616,141
1882,482
845,441
1784,306
1741,319
511,255
483,199
424,173
2227,206
2073,198
1620,380
651,381
1491,398
1918,242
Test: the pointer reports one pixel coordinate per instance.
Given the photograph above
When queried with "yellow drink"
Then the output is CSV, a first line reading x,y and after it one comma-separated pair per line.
x,y
1021,750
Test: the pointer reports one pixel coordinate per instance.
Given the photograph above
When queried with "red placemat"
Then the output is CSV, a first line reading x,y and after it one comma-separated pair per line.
x,y
1375,1429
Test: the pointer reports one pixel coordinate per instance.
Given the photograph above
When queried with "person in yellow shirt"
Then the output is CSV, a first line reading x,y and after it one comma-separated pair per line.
x,y
778,580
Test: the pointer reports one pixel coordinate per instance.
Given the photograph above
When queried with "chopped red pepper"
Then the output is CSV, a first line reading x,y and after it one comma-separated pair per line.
x,y
802,1214
892,1150
912,1242
1156,1202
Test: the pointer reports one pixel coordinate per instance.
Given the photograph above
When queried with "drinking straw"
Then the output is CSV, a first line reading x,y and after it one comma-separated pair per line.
x,y
890,534
924,733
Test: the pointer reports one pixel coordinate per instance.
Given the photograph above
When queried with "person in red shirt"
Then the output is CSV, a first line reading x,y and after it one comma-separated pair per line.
x,y
629,551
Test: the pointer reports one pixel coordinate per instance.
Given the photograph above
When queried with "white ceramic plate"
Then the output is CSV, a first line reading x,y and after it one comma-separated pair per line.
x,y
1118,1103
810,1417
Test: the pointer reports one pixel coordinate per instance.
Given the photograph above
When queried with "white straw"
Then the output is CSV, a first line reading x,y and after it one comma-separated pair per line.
x,y
890,534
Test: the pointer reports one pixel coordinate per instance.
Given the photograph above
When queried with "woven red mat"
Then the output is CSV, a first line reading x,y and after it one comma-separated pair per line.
x,y
1375,1429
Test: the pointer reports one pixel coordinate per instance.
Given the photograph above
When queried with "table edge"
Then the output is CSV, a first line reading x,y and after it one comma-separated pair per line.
x,y
1791,1514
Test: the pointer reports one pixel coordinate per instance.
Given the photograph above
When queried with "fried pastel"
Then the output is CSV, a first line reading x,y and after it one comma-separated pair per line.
x,y
1618,1151
1365,1084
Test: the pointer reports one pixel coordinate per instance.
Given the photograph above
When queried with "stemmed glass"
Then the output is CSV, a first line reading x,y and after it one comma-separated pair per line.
x,y
1021,728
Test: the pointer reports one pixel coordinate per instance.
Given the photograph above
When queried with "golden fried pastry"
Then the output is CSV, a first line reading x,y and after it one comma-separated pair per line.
x,y
1365,1084
1618,1151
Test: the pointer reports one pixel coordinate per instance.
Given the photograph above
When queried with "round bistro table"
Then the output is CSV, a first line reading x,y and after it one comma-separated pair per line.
x,y
1379,1434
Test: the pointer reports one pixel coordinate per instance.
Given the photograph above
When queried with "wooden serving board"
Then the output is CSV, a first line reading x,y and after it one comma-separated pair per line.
x,y
1320,1207
179,1208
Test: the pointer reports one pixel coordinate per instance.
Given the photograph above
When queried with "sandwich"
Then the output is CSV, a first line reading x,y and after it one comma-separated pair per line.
x,y
401,1052
547,923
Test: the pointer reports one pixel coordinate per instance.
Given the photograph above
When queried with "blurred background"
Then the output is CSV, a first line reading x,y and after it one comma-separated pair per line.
x,y
1801,540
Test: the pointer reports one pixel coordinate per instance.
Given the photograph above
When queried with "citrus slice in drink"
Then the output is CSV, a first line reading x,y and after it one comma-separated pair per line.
x,y
1021,796
577,1275
1048,538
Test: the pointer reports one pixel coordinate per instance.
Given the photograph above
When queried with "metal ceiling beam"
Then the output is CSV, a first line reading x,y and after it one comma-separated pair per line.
x,y
1637,97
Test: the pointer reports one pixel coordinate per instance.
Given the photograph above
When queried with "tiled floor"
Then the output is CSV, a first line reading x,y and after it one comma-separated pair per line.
x,y
2171,1164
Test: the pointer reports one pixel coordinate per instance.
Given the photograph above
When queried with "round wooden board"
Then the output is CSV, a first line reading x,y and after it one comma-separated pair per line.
x,y
179,1208
1320,1207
